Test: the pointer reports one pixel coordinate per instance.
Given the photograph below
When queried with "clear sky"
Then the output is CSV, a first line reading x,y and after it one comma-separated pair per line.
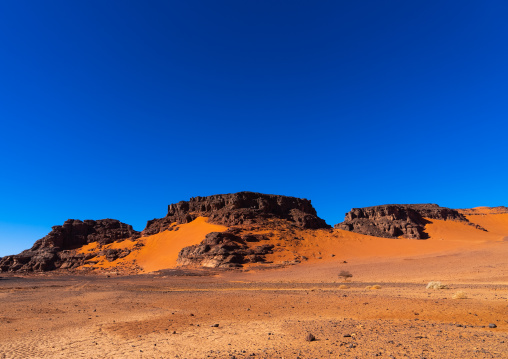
x,y
114,109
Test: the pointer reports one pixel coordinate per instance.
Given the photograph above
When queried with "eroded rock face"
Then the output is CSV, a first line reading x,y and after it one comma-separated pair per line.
x,y
395,220
56,250
224,250
239,208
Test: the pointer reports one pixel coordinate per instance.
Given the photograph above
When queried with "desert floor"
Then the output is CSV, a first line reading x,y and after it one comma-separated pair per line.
x,y
268,313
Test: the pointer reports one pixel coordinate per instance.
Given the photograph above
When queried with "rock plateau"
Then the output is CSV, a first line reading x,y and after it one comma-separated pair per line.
x,y
239,208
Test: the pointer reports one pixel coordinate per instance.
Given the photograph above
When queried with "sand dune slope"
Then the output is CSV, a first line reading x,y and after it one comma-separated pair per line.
x,y
460,232
299,246
161,250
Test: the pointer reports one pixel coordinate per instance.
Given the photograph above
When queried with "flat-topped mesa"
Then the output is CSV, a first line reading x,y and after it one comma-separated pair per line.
x,y
55,249
239,208
395,220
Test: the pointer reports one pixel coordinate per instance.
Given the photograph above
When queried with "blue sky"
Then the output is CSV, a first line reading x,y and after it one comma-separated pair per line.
x,y
114,109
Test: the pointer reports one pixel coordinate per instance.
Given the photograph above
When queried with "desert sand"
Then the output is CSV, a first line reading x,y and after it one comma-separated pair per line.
x,y
267,311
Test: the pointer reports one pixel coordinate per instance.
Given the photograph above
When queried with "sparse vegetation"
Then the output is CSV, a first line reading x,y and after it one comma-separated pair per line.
x,y
373,287
460,295
345,275
310,337
436,285
343,286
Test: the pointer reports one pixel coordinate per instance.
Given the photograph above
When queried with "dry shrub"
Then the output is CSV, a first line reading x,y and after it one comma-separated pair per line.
x,y
460,295
310,337
345,275
373,287
436,285
343,286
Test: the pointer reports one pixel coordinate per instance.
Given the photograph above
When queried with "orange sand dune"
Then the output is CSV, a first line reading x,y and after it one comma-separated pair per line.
x,y
293,246
460,232
326,246
337,245
161,250
494,223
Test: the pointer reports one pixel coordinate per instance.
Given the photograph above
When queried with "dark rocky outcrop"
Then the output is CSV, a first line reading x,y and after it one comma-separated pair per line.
x,y
395,220
224,250
56,250
237,209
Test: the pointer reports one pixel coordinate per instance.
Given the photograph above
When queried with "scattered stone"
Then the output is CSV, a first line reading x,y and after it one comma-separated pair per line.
x,y
214,325
492,325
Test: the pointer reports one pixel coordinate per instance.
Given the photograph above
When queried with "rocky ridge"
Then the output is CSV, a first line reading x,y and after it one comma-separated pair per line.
x,y
396,220
57,249
242,212
240,208
255,221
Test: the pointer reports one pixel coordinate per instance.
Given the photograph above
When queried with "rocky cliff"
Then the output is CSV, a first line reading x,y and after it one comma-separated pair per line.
x,y
395,220
237,209
56,250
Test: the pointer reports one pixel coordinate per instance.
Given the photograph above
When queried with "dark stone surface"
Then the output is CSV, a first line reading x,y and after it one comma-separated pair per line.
x,y
237,209
224,250
56,250
395,220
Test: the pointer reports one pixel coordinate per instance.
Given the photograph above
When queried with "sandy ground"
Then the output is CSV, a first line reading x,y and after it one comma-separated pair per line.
x,y
267,313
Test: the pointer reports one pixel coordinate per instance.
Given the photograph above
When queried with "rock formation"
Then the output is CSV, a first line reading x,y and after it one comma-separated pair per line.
x,y
260,226
239,211
239,208
224,250
395,220
56,250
